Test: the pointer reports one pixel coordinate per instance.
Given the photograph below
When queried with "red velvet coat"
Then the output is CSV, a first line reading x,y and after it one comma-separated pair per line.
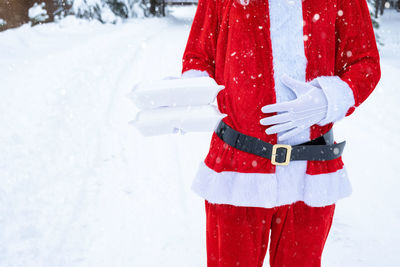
x,y
232,43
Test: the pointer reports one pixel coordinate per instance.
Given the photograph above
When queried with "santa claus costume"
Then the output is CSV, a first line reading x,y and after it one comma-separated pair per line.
x,y
248,46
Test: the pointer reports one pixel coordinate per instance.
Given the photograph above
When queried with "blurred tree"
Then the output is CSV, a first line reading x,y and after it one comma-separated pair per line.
x,y
379,6
13,13
107,11
374,7
16,12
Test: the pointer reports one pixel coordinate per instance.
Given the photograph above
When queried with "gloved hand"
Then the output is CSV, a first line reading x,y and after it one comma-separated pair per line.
x,y
308,108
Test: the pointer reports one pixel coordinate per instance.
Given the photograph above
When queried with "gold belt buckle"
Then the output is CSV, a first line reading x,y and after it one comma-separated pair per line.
x,y
288,153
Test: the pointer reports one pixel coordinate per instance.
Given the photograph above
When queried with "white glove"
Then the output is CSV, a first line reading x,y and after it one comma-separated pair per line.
x,y
308,108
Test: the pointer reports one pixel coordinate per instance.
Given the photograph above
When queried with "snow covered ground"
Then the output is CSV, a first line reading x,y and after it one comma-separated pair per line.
x,y
80,187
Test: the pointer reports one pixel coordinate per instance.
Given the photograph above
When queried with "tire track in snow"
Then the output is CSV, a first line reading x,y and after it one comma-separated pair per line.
x,y
82,197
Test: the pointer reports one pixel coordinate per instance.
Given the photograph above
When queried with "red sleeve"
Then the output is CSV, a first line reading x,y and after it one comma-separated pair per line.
x,y
357,57
200,49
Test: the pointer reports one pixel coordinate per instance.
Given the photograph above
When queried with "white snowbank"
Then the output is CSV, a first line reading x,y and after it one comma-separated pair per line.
x,y
37,12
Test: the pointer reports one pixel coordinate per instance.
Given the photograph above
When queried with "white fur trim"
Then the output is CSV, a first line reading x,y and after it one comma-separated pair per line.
x,y
286,27
339,95
194,73
269,190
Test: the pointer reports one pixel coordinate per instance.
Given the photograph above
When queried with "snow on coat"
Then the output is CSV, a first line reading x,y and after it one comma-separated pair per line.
x,y
248,47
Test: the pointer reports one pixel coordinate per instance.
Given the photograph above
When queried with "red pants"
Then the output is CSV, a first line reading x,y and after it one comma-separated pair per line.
x,y
238,236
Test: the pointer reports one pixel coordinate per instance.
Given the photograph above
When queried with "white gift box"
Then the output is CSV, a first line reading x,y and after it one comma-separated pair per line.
x,y
175,92
167,120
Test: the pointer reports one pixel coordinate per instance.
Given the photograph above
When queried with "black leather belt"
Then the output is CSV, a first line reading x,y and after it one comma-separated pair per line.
x,y
321,148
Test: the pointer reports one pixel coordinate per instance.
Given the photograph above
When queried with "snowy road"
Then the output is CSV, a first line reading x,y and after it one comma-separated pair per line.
x,y
79,187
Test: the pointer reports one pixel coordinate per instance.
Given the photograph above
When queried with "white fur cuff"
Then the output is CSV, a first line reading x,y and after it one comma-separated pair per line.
x,y
339,95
